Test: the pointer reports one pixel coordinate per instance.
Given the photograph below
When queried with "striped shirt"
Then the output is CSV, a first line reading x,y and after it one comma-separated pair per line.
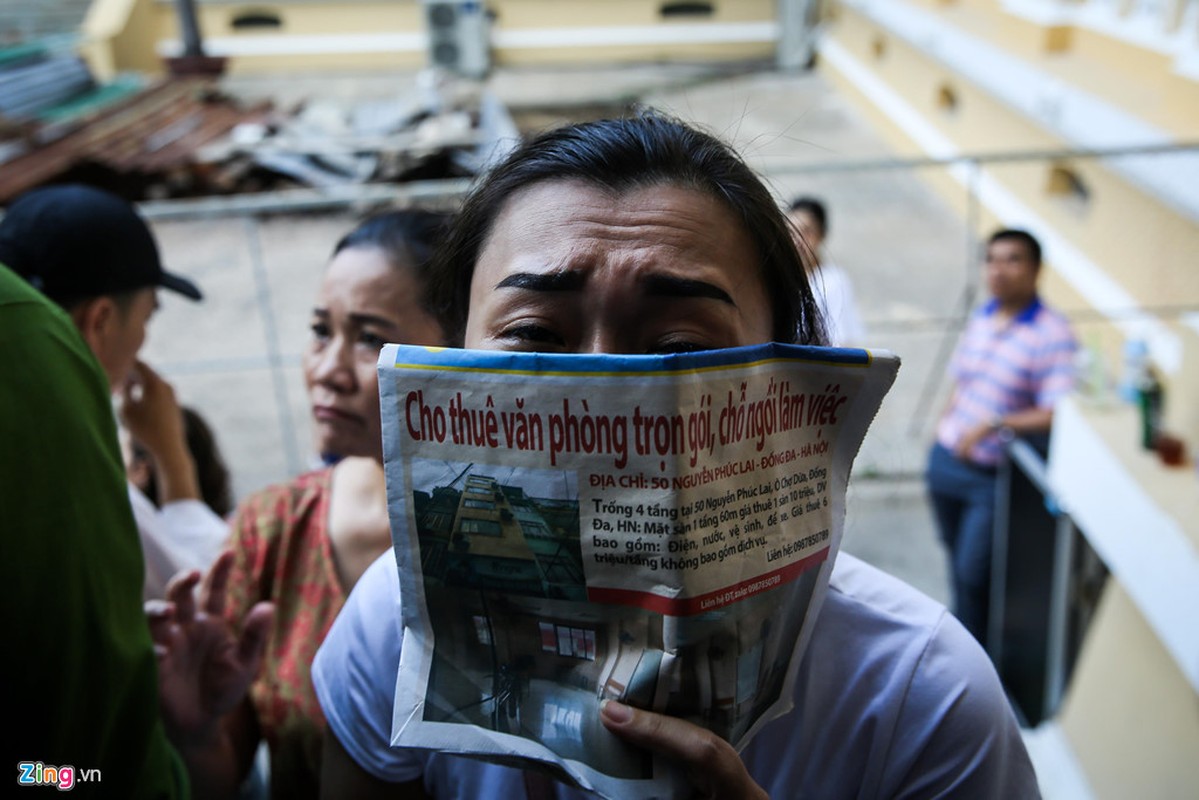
x,y
1004,366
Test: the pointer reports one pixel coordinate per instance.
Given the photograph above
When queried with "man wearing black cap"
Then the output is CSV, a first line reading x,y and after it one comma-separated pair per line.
x,y
81,691
90,252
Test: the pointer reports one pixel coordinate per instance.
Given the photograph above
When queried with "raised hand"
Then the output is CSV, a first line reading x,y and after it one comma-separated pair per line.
x,y
204,666
150,411
151,414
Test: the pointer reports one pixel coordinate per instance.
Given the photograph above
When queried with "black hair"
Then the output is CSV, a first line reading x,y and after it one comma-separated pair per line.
x,y
211,472
813,208
408,239
122,300
1031,245
620,155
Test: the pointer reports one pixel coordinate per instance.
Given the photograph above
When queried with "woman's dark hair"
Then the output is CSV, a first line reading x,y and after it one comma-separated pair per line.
x,y
813,208
620,155
407,239
213,475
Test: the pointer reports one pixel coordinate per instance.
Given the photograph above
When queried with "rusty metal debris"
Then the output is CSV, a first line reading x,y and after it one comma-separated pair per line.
x,y
140,146
184,138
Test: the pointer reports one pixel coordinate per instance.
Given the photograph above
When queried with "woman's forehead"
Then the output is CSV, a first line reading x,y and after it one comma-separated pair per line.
x,y
561,218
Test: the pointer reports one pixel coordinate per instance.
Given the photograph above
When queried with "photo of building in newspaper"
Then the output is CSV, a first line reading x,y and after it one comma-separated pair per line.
x,y
523,652
478,533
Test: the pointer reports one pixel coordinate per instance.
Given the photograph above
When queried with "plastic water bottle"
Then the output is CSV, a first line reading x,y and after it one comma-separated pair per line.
x,y
1149,402
1092,372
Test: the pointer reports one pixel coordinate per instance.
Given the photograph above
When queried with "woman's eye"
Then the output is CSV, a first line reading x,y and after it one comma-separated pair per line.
x,y
371,340
667,348
532,334
320,330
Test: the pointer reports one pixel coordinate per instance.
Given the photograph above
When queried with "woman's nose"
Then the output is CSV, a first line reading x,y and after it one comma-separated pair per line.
x,y
334,367
610,336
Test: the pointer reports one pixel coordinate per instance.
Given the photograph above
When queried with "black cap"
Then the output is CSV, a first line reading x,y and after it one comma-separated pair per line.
x,y
73,242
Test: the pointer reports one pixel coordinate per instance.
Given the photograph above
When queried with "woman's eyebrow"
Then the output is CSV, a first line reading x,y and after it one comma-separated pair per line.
x,y
670,286
371,319
654,285
561,281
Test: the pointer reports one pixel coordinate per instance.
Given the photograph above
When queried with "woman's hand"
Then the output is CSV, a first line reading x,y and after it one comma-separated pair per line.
x,y
204,667
151,413
711,763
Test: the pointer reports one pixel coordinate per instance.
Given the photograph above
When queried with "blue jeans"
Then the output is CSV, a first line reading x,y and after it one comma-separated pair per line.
x,y
963,500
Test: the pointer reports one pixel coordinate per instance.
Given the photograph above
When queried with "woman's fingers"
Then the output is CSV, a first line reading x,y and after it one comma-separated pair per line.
x,y
160,615
181,593
213,592
712,764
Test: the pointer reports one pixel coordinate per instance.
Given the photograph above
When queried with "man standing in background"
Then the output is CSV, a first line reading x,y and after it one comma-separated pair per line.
x,y
1013,363
830,283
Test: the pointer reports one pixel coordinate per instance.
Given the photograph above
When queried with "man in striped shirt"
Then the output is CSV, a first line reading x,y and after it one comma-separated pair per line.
x,y
1015,360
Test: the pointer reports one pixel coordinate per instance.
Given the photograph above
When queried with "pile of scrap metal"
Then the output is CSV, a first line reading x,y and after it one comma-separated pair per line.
x,y
437,128
183,137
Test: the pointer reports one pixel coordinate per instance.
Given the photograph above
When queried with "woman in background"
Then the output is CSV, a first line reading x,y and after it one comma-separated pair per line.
x,y
302,545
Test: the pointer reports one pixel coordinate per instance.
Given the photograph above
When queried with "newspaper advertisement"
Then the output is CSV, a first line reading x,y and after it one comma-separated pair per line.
x,y
572,528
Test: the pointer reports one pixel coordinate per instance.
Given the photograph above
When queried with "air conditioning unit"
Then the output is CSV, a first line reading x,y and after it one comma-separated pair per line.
x,y
459,36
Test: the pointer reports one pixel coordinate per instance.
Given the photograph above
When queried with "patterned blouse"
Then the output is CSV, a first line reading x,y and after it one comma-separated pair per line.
x,y
283,554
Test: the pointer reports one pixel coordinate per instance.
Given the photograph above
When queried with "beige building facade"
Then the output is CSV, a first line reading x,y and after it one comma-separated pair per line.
x,y
383,34
1059,81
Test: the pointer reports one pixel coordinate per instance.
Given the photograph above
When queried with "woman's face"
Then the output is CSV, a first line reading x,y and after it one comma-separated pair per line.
x,y
568,268
363,303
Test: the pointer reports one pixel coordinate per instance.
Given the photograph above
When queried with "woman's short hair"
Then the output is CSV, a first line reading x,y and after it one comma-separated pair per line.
x,y
407,239
620,155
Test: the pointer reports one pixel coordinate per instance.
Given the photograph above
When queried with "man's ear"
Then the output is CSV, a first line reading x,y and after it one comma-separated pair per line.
x,y
94,318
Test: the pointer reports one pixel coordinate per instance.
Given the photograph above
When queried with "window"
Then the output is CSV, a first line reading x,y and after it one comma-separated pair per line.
x,y
257,18
567,641
672,10
561,722
486,504
947,98
484,527
878,46
534,529
1068,188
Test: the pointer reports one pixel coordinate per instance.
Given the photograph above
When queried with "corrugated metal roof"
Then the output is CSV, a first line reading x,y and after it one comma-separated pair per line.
x,y
154,131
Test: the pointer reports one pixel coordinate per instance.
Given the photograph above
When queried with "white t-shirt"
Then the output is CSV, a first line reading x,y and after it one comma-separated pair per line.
x,y
184,534
834,292
893,699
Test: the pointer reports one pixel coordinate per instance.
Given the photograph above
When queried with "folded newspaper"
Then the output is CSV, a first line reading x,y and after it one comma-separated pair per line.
x,y
571,528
